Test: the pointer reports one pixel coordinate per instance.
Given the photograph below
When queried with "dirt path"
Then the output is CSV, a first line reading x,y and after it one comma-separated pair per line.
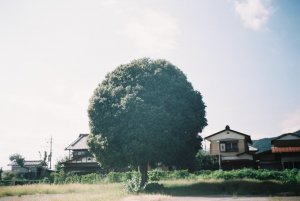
x,y
74,197
169,198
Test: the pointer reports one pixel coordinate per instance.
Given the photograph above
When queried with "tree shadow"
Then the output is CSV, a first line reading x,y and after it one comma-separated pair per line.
x,y
232,188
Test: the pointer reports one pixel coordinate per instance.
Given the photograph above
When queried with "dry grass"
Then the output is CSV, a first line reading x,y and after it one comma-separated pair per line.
x,y
148,198
68,192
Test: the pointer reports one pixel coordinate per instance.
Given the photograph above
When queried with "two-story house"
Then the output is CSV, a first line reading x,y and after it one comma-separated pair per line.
x,y
233,148
80,159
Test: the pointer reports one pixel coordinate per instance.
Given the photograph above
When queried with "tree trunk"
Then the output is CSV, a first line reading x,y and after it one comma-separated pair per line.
x,y
143,169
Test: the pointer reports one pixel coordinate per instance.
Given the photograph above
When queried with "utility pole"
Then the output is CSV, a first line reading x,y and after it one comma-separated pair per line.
x,y
50,154
220,167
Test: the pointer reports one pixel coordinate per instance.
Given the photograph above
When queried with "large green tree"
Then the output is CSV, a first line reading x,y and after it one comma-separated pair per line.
x,y
143,113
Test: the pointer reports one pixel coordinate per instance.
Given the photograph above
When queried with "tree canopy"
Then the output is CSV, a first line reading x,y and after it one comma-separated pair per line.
x,y
143,113
18,159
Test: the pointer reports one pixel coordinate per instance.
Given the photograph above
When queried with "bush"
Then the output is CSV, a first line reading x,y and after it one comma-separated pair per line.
x,y
9,176
115,177
59,177
156,175
133,185
286,176
92,178
179,174
72,178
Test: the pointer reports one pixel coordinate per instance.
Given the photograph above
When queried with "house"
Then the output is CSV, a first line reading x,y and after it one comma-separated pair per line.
x,y
288,146
264,157
282,152
233,148
80,159
32,169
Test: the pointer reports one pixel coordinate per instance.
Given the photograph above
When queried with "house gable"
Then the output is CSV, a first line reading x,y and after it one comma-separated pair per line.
x,y
80,143
227,133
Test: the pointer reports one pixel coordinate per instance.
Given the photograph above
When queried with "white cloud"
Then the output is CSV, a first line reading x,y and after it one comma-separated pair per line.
x,y
291,123
254,14
152,30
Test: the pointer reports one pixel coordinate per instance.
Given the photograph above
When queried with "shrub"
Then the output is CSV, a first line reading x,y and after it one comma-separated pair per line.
x,y
92,178
72,178
133,185
59,177
179,174
9,176
114,177
156,175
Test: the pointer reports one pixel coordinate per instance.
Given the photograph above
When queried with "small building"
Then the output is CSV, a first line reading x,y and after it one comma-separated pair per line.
x,y
233,149
282,152
32,169
80,159
264,157
287,146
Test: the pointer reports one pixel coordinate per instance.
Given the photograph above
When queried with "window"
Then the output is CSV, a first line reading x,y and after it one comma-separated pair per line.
x,y
230,146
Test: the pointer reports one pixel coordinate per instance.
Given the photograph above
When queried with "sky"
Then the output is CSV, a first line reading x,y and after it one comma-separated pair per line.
x,y
242,55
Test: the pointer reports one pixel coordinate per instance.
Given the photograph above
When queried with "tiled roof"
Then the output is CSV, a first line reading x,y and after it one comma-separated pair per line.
x,y
80,143
264,145
29,163
285,149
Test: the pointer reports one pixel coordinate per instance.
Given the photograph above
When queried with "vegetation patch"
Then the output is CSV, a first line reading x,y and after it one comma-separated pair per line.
x,y
231,187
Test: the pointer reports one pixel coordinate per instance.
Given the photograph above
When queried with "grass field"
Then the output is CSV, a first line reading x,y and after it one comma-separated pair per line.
x,y
114,191
67,192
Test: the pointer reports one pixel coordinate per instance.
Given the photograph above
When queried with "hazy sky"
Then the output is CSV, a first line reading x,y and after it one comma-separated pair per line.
x,y
242,55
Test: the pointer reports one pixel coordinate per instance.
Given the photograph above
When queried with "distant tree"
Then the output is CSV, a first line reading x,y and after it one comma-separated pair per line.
x,y
59,166
143,113
18,159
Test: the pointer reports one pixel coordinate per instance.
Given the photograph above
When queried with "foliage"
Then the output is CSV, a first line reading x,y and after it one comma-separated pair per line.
x,y
59,177
92,178
143,113
205,161
156,175
59,165
133,185
8,175
18,159
201,187
286,176
120,176
72,178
